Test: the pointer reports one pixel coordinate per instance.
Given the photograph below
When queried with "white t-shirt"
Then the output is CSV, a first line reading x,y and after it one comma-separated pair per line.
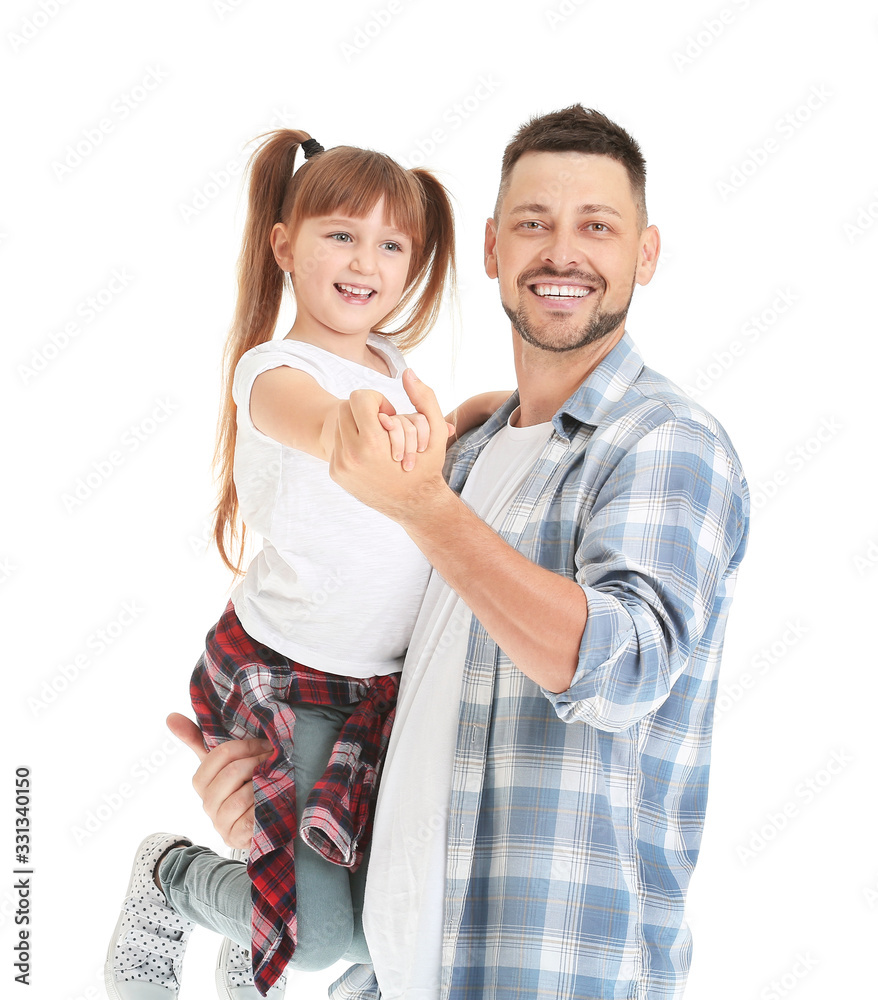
x,y
405,887
337,586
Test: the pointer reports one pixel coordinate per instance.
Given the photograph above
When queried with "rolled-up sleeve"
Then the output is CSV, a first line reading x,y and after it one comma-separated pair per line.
x,y
664,531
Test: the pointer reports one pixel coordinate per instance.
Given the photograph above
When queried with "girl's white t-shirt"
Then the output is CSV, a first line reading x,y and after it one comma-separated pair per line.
x,y
337,586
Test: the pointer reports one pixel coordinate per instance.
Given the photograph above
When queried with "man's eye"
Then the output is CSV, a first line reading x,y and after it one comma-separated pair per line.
x,y
532,224
598,227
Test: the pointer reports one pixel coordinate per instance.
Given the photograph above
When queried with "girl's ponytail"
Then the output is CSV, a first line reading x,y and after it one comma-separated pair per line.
x,y
432,268
260,290
438,253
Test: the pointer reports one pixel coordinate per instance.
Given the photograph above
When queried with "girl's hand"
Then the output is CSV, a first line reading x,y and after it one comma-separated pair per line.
x,y
409,434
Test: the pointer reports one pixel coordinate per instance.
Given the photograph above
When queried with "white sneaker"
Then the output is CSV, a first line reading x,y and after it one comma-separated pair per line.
x,y
145,955
234,970
234,975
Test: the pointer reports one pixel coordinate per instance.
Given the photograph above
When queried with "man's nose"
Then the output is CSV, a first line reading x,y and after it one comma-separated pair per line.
x,y
560,250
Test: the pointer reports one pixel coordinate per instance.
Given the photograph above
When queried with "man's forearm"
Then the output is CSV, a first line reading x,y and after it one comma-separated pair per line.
x,y
534,615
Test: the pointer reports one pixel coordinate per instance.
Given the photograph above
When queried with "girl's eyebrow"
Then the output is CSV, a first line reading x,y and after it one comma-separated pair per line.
x,y
344,220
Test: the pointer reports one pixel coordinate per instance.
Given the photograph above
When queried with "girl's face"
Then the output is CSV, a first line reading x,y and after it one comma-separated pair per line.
x,y
348,273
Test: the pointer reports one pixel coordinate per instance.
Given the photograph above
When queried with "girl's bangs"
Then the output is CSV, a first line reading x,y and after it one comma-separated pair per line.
x,y
353,181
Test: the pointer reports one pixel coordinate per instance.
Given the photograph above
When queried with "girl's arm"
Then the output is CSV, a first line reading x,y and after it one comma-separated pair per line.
x,y
289,406
475,411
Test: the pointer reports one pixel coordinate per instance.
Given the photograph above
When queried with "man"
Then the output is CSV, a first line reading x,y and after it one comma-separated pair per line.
x,y
543,797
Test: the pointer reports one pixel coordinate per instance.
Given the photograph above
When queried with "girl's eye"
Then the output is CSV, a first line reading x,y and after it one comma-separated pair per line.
x,y
340,237
391,245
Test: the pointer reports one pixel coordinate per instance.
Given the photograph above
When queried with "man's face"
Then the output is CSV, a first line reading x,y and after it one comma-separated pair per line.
x,y
567,249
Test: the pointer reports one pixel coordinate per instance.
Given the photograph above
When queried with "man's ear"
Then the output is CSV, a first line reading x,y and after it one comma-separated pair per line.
x,y
650,248
282,247
491,248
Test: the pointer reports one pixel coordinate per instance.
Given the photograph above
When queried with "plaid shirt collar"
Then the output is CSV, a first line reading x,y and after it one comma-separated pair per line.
x,y
592,403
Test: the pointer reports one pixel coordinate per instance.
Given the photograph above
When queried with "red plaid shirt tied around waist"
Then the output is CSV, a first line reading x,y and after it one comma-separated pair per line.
x,y
240,689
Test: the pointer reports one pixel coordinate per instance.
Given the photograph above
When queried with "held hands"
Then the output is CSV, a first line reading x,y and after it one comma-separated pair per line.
x,y
364,465
409,435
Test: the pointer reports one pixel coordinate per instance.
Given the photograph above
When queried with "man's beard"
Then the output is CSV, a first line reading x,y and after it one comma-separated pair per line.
x,y
556,335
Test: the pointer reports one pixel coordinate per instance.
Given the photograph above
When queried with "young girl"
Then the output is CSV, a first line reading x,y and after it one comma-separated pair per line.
x,y
307,654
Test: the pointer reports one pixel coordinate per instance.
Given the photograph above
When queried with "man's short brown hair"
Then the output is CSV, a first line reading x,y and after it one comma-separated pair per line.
x,y
580,130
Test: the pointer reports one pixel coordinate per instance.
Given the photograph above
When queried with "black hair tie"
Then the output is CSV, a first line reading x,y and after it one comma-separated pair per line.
x,y
311,147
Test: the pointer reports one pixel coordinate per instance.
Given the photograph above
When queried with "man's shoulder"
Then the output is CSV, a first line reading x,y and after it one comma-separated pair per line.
x,y
653,402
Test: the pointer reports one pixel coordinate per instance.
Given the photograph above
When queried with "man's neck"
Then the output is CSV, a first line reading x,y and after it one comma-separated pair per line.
x,y
546,379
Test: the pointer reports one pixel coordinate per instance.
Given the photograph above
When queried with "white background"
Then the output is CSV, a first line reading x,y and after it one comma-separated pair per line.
x,y
785,897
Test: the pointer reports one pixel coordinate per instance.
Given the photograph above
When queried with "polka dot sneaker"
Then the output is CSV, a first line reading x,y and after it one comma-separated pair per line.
x,y
234,971
145,955
234,975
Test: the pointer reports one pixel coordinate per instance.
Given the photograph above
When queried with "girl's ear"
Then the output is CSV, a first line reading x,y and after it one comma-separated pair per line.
x,y
282,246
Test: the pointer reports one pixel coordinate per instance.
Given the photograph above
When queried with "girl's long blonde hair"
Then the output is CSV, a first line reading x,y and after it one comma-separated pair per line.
x,y
343,179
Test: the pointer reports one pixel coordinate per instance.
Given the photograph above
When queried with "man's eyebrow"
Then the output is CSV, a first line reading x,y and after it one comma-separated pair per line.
x,y
536,208
598,210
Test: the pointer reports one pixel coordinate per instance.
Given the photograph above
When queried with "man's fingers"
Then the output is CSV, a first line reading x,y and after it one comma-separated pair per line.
x,y
231,764
232,815
187,732
425,402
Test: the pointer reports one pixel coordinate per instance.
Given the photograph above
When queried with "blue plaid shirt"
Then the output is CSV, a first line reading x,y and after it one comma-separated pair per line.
x,y
576,818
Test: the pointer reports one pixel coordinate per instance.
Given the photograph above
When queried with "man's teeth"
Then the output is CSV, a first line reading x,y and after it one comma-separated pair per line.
x,y
365,292
562,291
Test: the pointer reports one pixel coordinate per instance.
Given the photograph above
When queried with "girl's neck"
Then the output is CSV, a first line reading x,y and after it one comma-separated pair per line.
x,y
350,346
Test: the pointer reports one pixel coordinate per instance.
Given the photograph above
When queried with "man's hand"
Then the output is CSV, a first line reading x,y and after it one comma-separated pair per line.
x,y
224,779
363,464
